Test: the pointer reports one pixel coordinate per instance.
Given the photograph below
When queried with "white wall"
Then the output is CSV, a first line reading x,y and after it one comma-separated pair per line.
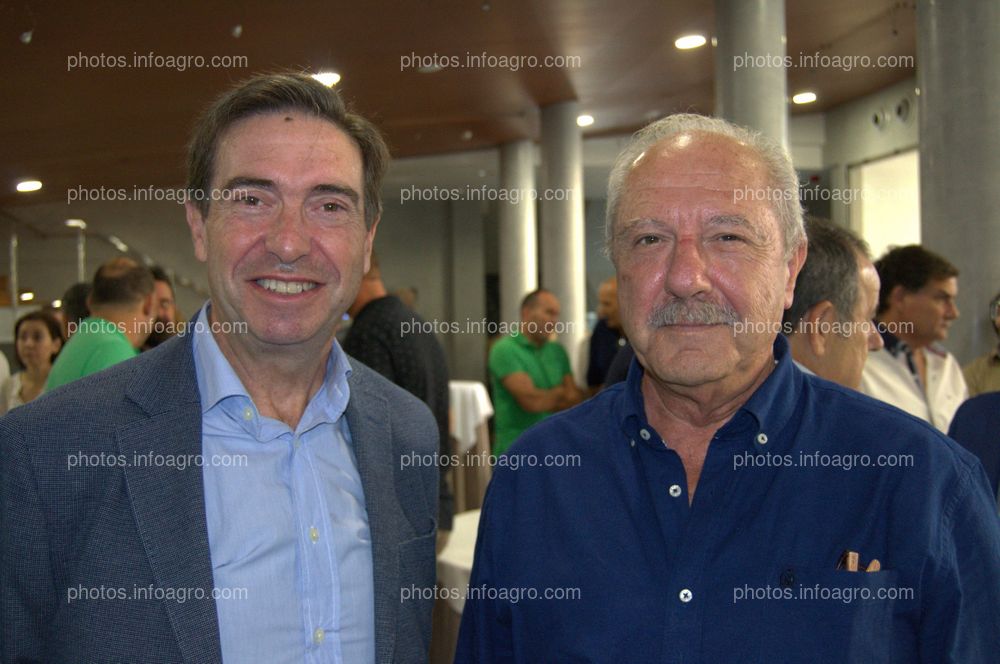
x,y
888,212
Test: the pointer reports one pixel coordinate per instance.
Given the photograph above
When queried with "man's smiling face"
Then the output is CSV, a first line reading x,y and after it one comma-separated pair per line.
x,y
287,246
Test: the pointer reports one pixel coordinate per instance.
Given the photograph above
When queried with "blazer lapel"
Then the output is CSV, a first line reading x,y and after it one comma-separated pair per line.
x,y
168,503
372,440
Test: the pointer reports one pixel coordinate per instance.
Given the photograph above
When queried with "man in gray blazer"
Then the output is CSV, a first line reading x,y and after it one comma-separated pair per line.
x,y
237,493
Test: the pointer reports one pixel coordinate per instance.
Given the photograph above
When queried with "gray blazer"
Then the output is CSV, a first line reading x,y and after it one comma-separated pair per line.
x,y
82,527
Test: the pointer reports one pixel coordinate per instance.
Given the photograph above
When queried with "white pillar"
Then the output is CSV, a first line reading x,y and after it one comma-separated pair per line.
x,y
563,264
518,233
750,82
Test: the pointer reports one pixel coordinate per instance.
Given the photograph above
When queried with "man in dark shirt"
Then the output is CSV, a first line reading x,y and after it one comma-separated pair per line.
x,y
606,338
720,505
395,341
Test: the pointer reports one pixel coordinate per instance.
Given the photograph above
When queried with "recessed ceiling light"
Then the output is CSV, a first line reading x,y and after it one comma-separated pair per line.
x,y
584,120
76,223
689,41
26,296
327,78
57,304
804,98
432,68
25,186
467,135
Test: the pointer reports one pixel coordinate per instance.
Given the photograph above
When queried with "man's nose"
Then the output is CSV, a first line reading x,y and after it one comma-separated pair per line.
x,y
288,236
952,311
687,271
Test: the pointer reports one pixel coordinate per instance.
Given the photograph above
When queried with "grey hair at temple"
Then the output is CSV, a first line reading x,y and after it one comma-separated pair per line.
x,y
775,159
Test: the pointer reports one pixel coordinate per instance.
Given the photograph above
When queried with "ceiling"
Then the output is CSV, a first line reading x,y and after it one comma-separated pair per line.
x,y
111,126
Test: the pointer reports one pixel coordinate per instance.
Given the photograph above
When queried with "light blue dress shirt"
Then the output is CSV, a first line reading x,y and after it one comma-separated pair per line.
x,y
287,524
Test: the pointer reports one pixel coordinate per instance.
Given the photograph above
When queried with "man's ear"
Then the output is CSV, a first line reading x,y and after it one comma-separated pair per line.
x,y
896,297
196,222
818,323
369,243
149,305
795,263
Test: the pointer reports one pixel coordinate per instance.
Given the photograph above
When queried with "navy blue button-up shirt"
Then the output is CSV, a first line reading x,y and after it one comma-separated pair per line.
x,y
589,550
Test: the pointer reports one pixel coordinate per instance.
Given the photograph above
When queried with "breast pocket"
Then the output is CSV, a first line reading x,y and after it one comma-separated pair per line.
x,y
827,616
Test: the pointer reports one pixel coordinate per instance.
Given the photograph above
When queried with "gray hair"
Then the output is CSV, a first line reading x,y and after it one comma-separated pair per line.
x,y
829,274
775,159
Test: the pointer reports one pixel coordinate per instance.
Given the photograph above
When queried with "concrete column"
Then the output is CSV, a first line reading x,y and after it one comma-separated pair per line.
x,y
518,232
563,265
750,85
958,67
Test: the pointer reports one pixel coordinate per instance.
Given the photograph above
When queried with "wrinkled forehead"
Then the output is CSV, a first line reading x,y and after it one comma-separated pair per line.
x,y
686,159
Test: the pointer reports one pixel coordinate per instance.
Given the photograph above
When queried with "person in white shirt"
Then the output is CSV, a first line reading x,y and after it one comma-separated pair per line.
x,y
916,308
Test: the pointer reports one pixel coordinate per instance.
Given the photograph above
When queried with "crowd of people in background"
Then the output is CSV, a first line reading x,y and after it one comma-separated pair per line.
x,y
127,308
874,327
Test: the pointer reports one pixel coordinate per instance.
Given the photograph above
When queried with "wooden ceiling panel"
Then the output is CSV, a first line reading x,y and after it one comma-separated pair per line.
x,y
124,126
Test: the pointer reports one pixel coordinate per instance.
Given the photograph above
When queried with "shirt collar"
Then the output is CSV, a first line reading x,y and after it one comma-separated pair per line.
x,y
219,386
893,344
804,369
760,419
523,340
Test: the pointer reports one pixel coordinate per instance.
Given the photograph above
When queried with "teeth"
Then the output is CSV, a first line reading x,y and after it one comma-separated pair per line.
x,y
286,287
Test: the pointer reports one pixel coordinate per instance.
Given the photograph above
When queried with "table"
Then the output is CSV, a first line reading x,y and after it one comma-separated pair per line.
x,y
454,567
471,409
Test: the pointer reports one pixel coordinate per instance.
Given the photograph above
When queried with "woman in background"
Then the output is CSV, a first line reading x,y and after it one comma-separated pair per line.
x,y
37,340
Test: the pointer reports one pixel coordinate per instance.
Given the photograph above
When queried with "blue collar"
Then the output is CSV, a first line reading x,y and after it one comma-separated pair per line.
x,y
219,386
760,420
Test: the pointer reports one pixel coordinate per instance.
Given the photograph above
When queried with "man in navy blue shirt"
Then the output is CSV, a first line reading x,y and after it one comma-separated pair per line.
x,y
720,505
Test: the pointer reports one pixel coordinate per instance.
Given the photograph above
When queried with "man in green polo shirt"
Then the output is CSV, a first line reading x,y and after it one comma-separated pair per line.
x,y
121,317
530,373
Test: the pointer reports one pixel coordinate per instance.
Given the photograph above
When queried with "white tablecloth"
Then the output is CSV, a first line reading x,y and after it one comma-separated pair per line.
x,y
470,408
454,563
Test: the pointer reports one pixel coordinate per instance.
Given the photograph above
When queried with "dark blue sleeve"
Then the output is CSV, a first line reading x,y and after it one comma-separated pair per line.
x,y
976,427
960,622
485,633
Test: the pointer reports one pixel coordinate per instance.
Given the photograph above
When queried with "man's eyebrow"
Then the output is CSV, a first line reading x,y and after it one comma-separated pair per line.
x,y
739,221
338,189
627,224
239,181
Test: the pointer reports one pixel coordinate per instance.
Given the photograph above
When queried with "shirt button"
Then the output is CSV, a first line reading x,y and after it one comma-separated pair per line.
x,y
643,434
762,438
314,533
685,595
675,490
247,413
318,635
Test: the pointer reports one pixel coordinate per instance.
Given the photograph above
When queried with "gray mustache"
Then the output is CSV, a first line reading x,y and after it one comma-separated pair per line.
x,y
692,312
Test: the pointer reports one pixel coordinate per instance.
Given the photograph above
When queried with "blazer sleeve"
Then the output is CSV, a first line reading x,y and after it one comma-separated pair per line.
x,y
27,589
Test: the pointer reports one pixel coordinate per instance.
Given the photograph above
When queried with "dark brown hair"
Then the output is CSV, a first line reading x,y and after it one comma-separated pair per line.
x,y
55,331
911,267
275,93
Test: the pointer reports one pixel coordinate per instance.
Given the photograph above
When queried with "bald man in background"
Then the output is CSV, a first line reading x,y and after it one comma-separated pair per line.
x,y
121,318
